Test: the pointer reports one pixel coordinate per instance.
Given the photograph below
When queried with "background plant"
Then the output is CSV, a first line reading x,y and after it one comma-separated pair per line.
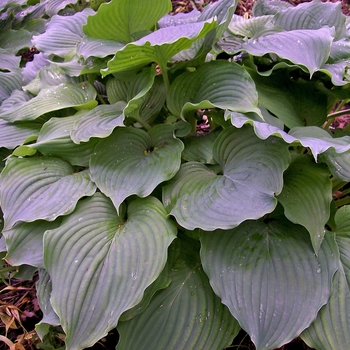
x,y
133,220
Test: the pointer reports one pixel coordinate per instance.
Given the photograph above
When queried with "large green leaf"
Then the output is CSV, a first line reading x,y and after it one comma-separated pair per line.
x,y
15,134
199,148
51,98
313,15
307,48
331,327
63,33
315,138
9,81
296,103
99,122
54,139
269,277
43,289
307,195
158,46
101,263
132,161
220,84
338,163
40,188
25,242
252,175
122,20
185,315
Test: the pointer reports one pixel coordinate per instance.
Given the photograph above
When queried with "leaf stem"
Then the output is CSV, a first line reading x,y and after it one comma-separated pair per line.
x,y
343,201
338,184
338,114
137,117
165,76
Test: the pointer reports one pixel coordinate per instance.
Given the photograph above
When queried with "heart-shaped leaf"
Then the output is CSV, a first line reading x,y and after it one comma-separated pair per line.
x,y
331,327
219,84
269,277
141,161
40,188
307,195
101,264
252,175
189,297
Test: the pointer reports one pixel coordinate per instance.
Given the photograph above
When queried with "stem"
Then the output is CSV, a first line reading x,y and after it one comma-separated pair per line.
x,y
346,192
338,114
164,71
343,201
136,117
99,97
337,185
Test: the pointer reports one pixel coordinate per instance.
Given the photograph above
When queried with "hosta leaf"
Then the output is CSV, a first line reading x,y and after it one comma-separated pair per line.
x,y
318,43
218,84
269,277
307,195
101,264
62,34
50,99
15,134
331,327
158,46
9,81
120,20
179,18
296,103
25,242
99,122
185,315
54,6
54,139
8,61
254,27
199,148
313,15
15,40
97,47
338,163
40,188
269,7
43,289
252,174
131,161
315,138
32,68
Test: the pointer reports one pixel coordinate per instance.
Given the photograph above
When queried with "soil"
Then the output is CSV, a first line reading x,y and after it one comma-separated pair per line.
x,y
19,309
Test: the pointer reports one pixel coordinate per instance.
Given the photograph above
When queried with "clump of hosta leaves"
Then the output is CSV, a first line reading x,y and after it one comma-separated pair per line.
x,y
139,218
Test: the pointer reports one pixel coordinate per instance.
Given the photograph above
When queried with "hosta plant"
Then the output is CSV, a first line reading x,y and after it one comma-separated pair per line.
x,y
175,176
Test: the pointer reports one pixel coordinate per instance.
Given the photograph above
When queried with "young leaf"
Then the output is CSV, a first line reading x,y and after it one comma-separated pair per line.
x,y
269,277
185,315
252,175
307,195
141,161
40,188
100,263
121,20
158,46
